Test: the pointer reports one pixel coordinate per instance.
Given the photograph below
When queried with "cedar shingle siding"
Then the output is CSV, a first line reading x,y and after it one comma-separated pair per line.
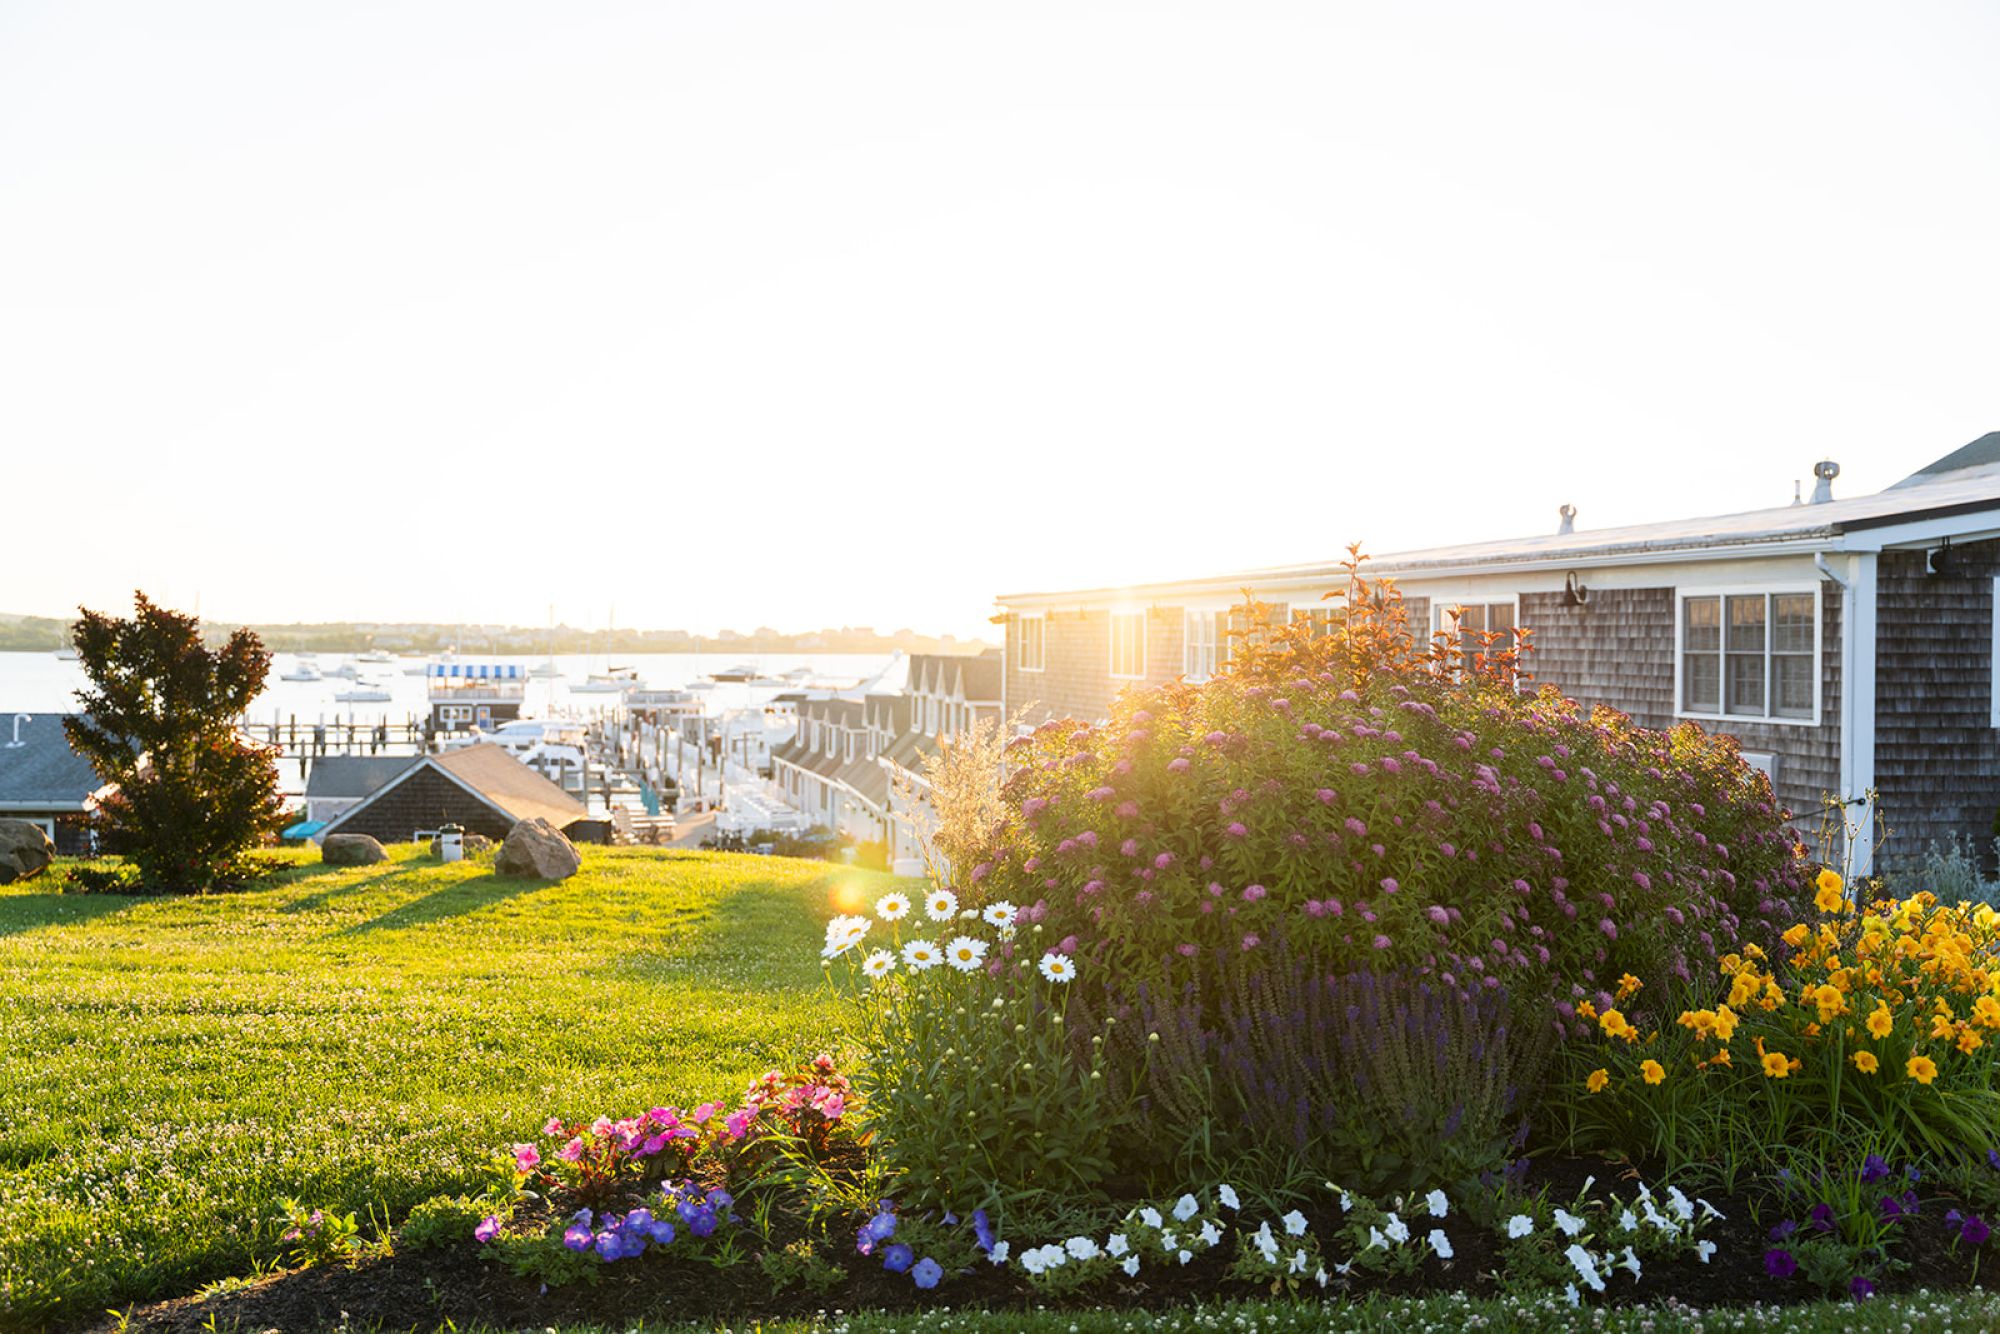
x,y
425,800
1618,649
1937,756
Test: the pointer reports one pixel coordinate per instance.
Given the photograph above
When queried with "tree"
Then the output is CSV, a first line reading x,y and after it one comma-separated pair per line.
x,y
159,722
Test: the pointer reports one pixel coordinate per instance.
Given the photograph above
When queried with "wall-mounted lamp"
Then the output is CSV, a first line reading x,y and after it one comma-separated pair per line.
x,y
1574,592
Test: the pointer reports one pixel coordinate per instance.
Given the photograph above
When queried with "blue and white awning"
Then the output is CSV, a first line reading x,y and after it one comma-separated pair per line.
x,y
478,671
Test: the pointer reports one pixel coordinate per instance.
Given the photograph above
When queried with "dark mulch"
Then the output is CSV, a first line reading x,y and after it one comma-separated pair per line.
x,y
424,1289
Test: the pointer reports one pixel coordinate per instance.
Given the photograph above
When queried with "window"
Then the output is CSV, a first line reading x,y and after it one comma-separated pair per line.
x,y
1319,618
1201,645
1033,632
1475,621
1128,644
1750,655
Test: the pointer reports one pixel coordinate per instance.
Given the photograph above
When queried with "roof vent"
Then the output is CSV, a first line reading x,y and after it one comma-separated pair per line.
x,y
1568,524
1826,470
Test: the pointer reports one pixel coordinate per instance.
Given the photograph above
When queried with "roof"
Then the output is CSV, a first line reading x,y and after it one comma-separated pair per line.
x,y
493,773
335,776
1983,453
42,773
494,776
1935,492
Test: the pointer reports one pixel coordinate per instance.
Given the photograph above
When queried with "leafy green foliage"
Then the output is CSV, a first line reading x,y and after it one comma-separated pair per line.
x,y
159,722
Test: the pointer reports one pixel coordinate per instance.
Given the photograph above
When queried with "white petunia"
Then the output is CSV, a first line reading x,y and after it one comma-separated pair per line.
x,y
1186,1256
1630,1262
1571,1295
1438,1204
1440,1243
1585,1266
1151,1217
1031,1260
1000,914
1210,1233
1375,1239
942,905
1131,1265
1710,1211
1682,1206
998,1255
1082,1248
1520,1225
1320,1277
893,907
879,964
1297,1264
1057,967
1568,1222
1398,1230
922,954
1185,1208
1168,1240
964,953
1295,1223
1116,1245
1628,1221
1346,1201
1703,1249
1227,1194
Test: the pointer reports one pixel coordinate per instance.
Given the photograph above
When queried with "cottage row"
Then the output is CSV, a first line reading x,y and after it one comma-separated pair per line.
x,y
1849,645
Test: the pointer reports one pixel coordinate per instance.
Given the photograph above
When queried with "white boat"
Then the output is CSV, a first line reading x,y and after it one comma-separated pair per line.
x,y
304,671
67,653
700,683
364,692
610,681
547,671
742,671
373,655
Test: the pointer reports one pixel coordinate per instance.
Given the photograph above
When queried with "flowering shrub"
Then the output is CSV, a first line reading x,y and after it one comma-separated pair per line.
x,y
1876,1024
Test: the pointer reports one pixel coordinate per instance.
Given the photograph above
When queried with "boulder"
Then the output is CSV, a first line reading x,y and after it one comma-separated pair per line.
x,y
536,849
351,850
25,851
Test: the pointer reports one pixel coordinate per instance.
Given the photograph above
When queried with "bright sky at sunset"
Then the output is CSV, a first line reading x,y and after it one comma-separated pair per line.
x,y
800,314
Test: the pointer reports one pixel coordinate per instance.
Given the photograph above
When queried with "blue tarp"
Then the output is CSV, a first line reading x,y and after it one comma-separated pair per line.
x,y
304,829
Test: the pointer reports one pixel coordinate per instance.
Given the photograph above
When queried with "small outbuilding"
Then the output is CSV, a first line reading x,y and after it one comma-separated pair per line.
x,y
45,782
482,789
337,784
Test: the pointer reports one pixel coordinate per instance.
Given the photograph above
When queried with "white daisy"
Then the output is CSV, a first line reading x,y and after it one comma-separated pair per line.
x,y
1057,967
922,954
843,933
941,905
1000,914
893,907
879,964
964,953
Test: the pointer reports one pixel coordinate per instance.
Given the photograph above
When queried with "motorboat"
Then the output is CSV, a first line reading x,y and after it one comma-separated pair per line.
x,y
364,692
741,672
547,671
373,655
303,671
610,681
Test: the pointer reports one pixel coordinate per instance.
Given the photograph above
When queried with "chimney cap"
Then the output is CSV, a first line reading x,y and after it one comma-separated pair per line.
x,y
1825,470
1568,525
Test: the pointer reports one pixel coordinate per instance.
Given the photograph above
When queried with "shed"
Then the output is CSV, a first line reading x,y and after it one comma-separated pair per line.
x,y
481,788
45,782
337,783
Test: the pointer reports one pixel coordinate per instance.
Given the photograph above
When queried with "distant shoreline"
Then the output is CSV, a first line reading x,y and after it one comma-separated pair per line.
x,y
45,634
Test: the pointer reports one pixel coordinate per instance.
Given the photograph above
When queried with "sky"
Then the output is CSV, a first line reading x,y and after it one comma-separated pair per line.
x,y
719,315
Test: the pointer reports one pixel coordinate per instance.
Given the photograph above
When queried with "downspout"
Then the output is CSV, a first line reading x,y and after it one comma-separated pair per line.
x,y
1857,704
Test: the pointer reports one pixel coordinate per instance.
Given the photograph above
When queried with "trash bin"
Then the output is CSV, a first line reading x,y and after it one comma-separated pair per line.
x,y
451,844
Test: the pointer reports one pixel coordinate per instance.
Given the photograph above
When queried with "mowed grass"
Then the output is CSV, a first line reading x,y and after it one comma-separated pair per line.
x,y
362,1037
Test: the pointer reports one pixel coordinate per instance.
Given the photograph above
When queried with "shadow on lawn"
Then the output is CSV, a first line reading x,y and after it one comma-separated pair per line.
x,y
335,893
21,913
448,901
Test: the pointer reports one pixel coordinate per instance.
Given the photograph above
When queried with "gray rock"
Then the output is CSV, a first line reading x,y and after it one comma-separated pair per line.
x,y
351,850
25,851
536,849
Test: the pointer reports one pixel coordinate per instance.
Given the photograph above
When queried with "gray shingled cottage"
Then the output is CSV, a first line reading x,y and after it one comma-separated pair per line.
x,y
1850,645
45,782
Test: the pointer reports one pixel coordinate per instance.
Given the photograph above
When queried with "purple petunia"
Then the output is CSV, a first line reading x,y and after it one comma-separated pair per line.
x,y
898,1258
1780,1264
1873,1168
927,1273
488,1229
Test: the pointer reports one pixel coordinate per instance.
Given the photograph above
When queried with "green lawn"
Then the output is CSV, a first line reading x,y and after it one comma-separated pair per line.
x,y
361,1037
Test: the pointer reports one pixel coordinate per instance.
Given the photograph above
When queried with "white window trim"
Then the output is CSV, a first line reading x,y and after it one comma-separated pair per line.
x,y
1441,605
1216,645
1112,646
1726,591
1020,651
1996,650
